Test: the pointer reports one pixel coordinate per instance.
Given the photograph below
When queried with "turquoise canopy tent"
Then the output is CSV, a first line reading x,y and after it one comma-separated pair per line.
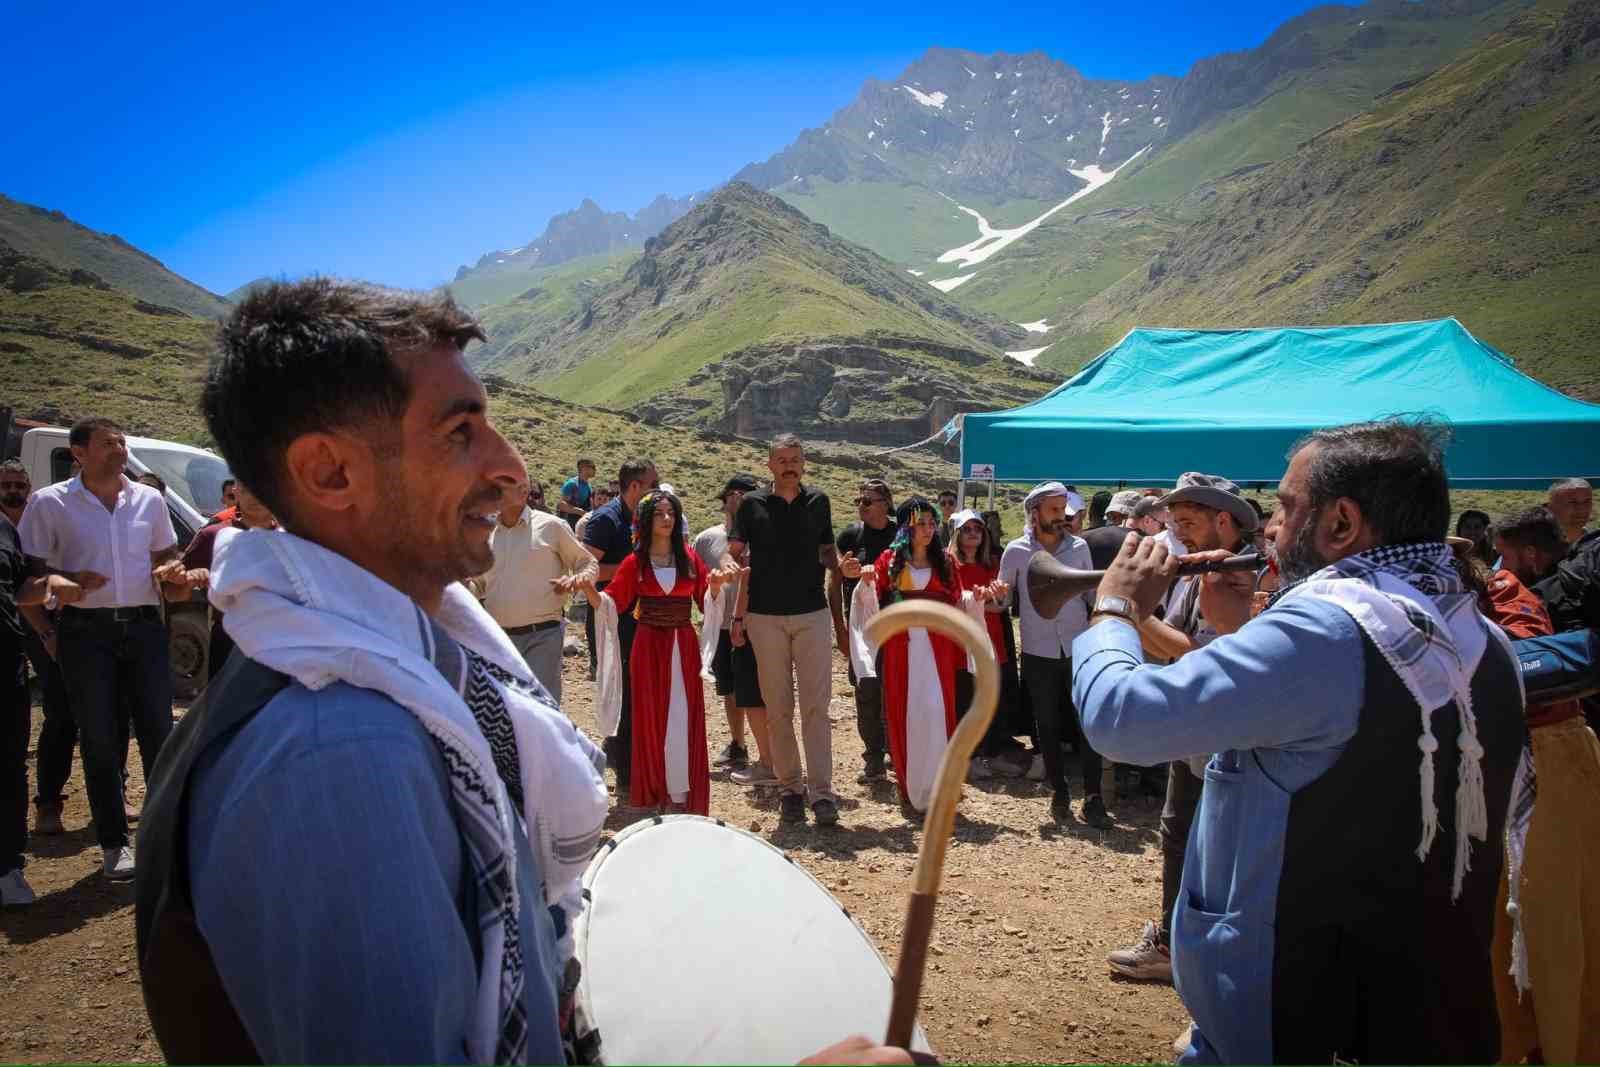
x,y
1232,402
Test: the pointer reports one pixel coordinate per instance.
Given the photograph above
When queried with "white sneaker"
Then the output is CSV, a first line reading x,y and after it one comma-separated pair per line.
x,y
1036,770
118,865
15,892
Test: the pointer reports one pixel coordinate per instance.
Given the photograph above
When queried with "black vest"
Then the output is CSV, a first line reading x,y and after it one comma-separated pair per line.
x,y
1374,963
190,1012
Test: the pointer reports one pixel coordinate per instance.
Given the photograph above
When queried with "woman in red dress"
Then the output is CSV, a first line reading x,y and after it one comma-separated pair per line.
x,y
918,668
658,582
978,564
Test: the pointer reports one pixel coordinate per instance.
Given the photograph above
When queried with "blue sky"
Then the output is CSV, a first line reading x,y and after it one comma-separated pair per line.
x,y
394,142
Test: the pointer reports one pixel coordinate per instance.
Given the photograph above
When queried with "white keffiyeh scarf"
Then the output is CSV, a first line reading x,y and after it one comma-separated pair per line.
x,y
514,761
1410,601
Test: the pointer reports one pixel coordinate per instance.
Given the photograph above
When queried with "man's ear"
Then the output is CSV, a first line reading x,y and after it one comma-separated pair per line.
x,y
1344,528
328,471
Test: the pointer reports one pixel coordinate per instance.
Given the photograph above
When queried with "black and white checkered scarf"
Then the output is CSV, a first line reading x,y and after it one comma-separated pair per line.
x,y
1410,601
515,763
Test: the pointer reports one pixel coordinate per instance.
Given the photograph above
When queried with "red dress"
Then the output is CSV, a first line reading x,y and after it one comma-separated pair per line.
x,y
911,761
650,676
972,576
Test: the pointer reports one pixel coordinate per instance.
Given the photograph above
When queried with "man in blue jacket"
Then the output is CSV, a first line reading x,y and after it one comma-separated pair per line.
x,y
1338,891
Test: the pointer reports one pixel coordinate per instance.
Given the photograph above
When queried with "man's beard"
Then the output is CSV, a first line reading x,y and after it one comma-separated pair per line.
x,y
13,502
1055,528
1302,559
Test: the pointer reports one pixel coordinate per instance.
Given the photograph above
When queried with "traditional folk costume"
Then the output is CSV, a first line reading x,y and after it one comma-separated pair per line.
x,y
669,711
1547,928
919,680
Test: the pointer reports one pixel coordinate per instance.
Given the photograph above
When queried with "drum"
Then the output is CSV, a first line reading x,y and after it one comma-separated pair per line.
x,y
704,944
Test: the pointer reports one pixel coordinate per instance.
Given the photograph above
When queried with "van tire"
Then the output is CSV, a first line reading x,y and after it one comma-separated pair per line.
x,y
188,645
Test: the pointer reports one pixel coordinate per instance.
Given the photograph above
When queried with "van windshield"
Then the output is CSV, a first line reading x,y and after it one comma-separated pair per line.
x,y
195,477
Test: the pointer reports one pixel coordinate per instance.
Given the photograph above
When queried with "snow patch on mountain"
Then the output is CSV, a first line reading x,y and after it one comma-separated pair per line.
x,y
1027,355
944,285
1042,326
934,100
991,240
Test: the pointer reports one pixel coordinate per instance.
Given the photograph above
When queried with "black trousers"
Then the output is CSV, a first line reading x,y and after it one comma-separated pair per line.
x,y
1177,816
619,749
999,737
870,725
1049,685
112,669
16,720
58,735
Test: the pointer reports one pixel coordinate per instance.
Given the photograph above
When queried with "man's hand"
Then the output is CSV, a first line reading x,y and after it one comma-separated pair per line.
x,y
736,633
849,566
566,583
859,1049
63,590
197,578
171,572
1225,599
1142,572
88,579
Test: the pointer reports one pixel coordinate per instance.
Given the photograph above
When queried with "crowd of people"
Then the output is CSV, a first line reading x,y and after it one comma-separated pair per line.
x,y
1356,861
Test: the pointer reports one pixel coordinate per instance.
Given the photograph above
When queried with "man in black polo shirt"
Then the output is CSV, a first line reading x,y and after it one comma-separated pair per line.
x,y
608,536
783,612
866,540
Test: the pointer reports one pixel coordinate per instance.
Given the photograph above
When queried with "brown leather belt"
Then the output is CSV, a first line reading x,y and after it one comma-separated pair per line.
x,y
666,612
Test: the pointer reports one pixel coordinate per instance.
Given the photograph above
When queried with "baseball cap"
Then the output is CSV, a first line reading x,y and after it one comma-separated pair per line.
x,y
739,483
1147,505
962,517
1213,491
1124,502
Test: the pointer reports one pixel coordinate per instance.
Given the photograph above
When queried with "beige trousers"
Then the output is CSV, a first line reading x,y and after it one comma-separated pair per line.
x,y
797,651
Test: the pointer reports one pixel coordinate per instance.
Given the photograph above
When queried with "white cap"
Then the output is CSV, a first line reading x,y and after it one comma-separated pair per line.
x,y
1044,489
962,517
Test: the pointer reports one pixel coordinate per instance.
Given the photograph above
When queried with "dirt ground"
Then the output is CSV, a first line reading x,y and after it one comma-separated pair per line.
x,y
1027,912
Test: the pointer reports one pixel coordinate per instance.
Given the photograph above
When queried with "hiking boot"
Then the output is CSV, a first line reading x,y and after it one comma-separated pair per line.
x,y
1061,806
1146,959
792,808
826,812
117,864
47,819
755,774
872,772
735,755
1095,814
15,892
1036,769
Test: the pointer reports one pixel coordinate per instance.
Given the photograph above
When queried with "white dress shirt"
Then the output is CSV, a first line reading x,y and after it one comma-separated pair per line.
x,y
1050,638
67,527
517,590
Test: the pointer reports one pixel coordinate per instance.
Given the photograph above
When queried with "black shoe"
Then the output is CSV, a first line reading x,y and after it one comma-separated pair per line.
x,y
734,755
792,808
826,812
1061,806
872,772
1095,814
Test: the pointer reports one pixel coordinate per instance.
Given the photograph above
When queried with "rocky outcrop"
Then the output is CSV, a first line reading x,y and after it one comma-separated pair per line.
x,y
844,390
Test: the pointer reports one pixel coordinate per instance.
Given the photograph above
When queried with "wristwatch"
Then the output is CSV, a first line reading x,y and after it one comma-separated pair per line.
x,y
1120,606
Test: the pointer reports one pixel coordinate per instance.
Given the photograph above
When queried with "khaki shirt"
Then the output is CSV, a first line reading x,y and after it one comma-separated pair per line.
x,y
517,590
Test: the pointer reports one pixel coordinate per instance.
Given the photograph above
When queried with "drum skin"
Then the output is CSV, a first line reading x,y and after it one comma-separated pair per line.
x,y
701,943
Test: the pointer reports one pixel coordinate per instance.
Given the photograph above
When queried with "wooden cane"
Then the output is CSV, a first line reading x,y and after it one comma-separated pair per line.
x,y
940,820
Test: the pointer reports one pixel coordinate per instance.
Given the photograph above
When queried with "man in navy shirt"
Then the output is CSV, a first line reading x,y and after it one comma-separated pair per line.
x,y
608,535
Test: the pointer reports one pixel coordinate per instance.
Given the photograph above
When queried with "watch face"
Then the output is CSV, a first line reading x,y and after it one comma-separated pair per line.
x,y
1114,603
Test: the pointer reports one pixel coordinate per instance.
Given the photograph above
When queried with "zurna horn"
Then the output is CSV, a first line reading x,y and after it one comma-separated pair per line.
x,y
1051,583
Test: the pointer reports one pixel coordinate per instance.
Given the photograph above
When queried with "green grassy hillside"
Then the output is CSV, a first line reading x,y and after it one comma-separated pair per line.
x,y
51,237
1470,194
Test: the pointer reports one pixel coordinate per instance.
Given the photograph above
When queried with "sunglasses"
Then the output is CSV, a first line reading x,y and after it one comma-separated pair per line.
x,y
536,496
863,501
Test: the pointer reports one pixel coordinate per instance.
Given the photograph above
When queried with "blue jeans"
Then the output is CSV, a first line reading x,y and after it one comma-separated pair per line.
x,y
108,667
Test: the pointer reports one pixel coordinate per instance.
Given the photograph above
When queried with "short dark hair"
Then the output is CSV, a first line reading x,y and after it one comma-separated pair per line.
x,y
82,431
536,486
632,470
610,488
586,463
1534,527
1471,513
16,466
227,482
785,440
1394,471
297,357
881,487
